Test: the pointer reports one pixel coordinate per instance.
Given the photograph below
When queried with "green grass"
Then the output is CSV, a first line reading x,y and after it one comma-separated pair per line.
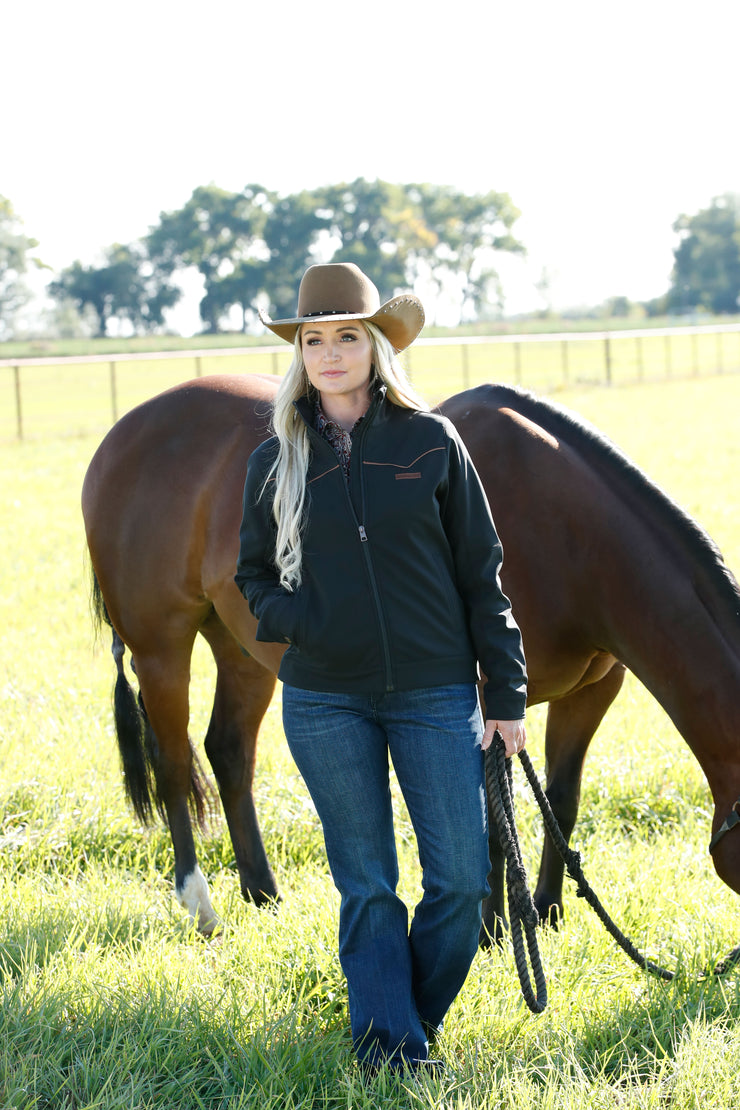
x,y
108,999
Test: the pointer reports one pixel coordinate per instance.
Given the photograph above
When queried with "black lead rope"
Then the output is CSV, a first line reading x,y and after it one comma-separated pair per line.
x,y
584,890
523,916
522,911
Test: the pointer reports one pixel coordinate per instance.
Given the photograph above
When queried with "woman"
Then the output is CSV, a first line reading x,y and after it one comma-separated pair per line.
x,y
367,546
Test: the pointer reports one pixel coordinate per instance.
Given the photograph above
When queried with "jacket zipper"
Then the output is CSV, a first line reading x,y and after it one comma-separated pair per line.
x,y
364,544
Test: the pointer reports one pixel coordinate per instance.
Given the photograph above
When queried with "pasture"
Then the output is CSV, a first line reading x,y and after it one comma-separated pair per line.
x,y
110,1000
85,394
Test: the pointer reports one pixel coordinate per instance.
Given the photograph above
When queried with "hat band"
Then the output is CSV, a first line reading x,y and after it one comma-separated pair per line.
x,y
328,312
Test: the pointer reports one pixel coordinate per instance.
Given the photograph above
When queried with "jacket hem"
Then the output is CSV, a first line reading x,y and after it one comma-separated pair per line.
x,y
413,676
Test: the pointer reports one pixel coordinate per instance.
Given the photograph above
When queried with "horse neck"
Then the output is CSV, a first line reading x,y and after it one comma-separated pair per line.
x,y
682,640
667,606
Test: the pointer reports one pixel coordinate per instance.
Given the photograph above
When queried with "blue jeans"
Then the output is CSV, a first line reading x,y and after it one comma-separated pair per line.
x,y
400,981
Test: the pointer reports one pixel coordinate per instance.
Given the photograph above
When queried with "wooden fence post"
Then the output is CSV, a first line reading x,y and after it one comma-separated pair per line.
x,y
518,363
465,366
113,393
608,359
18,406
564,361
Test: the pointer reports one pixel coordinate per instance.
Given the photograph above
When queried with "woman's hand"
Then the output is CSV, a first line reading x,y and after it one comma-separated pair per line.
x,y
513,733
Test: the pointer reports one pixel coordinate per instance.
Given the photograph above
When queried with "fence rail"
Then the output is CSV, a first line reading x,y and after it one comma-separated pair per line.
x,y
86,393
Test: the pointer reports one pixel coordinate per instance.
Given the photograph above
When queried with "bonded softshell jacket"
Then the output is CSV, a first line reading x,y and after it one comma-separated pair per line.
x,y
400,573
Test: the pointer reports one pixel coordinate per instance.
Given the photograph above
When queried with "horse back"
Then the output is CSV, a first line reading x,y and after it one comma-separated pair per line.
x,y
161,499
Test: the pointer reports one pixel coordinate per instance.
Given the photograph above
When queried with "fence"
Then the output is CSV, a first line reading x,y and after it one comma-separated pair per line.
x,y
81,395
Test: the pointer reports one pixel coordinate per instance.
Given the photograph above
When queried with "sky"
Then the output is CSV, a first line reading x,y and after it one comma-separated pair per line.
x,y
604,122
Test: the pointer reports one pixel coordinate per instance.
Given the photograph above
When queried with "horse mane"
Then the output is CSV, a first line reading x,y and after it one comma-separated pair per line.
x,y
592,444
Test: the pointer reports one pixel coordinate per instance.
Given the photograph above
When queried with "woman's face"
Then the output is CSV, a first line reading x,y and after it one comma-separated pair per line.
x,y
338,357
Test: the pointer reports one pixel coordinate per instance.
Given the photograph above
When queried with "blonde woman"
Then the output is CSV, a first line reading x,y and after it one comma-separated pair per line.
x,y
367,546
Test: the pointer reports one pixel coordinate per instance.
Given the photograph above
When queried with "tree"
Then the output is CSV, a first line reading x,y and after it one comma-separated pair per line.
x,y
470,230
216,231
126,287
376,225
706,270
252,247
83,286
14,263
297,234
241,288
618,306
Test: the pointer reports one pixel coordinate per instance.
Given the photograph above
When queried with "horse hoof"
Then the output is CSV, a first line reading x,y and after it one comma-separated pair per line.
x,y
194,897
550,914
210,928
263,900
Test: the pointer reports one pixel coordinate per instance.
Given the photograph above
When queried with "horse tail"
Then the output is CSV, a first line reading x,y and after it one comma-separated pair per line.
x,y
137,744
129,718
98,610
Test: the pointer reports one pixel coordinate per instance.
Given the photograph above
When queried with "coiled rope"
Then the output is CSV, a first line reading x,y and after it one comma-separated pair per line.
x,y
523,914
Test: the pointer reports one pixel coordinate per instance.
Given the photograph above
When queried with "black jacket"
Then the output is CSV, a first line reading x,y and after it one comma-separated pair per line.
x,y
401,585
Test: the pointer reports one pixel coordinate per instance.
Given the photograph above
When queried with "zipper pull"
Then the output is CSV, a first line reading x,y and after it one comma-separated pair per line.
x,y
363,533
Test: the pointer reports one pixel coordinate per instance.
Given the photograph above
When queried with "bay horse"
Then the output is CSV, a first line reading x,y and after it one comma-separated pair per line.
x,y
603,570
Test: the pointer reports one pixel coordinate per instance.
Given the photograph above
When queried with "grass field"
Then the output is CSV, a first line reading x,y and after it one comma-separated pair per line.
x,y
108,999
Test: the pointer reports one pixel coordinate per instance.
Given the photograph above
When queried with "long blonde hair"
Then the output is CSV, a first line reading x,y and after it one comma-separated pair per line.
x,y
290,468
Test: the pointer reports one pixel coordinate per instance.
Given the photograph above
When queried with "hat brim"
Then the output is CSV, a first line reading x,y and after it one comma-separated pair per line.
x,y
400,319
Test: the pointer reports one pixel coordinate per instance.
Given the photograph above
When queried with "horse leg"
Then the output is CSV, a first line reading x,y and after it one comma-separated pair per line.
x,y
571,724
244,690
494,924
164,679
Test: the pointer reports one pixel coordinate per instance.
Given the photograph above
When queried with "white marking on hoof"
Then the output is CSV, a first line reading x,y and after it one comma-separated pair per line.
x,y
195,898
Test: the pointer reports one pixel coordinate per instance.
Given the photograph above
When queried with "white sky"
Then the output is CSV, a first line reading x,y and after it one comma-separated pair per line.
x,y
603,121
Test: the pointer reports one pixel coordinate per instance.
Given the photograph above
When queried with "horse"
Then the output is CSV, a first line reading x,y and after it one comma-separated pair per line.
x,y
605,573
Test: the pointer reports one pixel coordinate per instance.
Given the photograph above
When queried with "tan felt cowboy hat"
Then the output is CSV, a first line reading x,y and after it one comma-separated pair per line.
x,y
340,291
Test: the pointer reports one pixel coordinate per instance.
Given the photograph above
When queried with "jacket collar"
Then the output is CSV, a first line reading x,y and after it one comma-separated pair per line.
x,y
304,405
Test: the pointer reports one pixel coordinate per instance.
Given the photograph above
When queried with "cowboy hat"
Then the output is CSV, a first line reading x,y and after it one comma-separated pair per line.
x,y
340,291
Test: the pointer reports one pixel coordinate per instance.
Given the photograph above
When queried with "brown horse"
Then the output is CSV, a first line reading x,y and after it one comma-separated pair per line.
x,y
603,570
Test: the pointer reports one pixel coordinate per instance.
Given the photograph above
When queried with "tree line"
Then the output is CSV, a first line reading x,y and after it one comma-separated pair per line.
x,y
251,248
17,257
706,262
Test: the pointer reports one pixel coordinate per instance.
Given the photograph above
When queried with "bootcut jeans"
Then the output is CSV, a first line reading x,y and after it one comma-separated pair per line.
x,y
400,981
